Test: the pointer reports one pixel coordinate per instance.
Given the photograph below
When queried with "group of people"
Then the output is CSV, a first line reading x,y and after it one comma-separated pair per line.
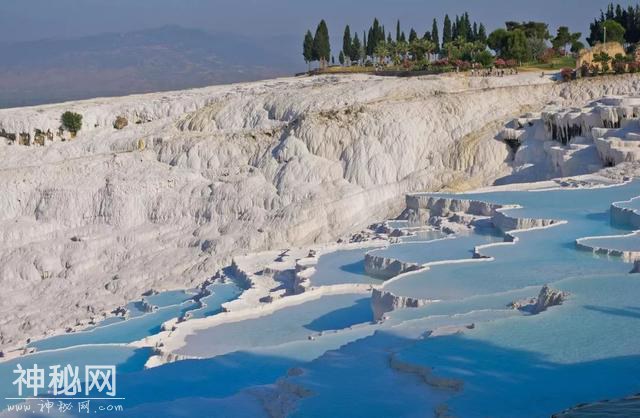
x,y
494,72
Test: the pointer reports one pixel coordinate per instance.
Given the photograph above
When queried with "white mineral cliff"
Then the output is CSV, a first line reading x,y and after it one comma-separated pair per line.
x,y
197,176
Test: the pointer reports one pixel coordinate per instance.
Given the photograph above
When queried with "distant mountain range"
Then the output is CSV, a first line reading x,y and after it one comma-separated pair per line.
x,y
166,58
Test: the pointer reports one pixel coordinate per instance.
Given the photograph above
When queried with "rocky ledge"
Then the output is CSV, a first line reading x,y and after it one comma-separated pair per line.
x,y
547,298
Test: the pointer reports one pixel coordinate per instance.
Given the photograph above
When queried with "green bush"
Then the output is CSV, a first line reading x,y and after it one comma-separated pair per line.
x,y
71,121
485,59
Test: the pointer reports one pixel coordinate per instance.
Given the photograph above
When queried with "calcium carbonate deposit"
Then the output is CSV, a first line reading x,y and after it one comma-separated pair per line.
x,y
234,227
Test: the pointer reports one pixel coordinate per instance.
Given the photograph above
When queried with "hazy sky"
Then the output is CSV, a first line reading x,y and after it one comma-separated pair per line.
x,y
36,19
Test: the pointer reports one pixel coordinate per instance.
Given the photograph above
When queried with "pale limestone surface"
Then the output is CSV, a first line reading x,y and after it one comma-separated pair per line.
x,y
201,175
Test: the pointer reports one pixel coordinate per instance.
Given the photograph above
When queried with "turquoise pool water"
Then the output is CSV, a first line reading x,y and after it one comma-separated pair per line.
x,y
327,350
449,248
630,242
344,266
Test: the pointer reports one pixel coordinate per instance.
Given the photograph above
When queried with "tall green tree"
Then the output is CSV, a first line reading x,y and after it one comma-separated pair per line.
x,y
435,36
321,44
375,35
307,48
398,30
482,34
346,40
563,37
455,26
517,45
341,58
447,34
413,35
498,41
355,51
464,28
614,31
531,29
363,52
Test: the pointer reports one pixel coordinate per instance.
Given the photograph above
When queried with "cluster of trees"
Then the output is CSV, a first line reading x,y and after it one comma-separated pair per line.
x,y
459,37
318,47
462,40
465,40
622,25
379,45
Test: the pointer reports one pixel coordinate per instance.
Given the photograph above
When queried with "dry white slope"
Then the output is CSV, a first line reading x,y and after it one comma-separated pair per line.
x,y
89,224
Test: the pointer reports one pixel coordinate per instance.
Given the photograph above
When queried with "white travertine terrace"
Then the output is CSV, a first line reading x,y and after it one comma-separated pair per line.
x,y
202,175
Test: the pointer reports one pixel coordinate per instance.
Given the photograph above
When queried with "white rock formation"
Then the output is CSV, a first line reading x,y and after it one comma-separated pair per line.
x,y
200,175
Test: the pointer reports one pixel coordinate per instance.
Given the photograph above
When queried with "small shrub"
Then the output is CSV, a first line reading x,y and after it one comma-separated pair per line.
x,y
634,67
485,59
547,55
584,70
71,121
566,74
619,67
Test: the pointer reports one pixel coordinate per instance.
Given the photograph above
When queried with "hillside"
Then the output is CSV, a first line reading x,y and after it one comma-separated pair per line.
x,y
201,175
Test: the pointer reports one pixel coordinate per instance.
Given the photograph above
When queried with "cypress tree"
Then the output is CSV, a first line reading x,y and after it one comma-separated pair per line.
x,y
447,31
341,57
455,28
364,46
307,48
370,42
474,36
403,38
435,36
398,31
346,41
466,27
321,44
354,52
412,35
482,34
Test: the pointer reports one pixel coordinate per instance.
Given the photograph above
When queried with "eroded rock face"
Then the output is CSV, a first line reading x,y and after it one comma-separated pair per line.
x,y
625,407
121,122
386,268
232,169
547,298
383,302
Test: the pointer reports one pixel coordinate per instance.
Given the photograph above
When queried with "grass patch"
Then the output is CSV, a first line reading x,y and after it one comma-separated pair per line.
x,y
555,64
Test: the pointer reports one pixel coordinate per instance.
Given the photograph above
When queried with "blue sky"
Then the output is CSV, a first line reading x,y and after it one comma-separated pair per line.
x,y
36,19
